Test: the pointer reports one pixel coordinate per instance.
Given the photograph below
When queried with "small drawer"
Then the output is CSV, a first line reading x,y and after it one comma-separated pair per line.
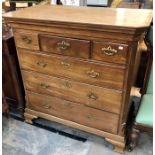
x,y
26,39
64,46
92,96
110,52
73,111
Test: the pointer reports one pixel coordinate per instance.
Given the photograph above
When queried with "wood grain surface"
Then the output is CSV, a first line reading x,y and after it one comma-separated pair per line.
x,y
84,15
65,46
93,80
84,71
118,52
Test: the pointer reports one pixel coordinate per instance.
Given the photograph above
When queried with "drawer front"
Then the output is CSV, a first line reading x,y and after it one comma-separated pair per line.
x,y
74,112
110,52
89,95
88,72
65,46
26,39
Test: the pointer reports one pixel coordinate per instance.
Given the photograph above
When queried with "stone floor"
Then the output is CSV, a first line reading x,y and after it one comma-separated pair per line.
x,y
20,138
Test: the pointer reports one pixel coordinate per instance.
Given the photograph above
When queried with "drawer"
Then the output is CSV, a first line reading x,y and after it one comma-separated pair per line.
x,y
26,39
85,71
74,112
64,46
110,52
89,95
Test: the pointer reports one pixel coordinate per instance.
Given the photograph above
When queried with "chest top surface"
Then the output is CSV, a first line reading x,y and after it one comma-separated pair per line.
x,y
48,14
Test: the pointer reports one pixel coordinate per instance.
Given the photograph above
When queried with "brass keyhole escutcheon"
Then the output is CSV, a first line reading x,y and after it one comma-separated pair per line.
x,y
67,84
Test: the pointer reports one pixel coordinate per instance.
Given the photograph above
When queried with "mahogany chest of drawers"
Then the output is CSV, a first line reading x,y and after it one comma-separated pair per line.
x,y
77,64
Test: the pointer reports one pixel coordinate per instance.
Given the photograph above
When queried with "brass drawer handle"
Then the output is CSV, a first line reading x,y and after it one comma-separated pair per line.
x,y
26,39
65,64
42,64
44,85
63,45
68,105
46,106
92,96
108,51
91,117
93,74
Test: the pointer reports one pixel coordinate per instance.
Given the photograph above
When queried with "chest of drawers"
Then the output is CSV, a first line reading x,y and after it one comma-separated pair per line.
x,y
77,65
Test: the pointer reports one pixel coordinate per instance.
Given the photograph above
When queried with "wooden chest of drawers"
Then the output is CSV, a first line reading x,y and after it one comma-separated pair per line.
x,y
77,65
11,76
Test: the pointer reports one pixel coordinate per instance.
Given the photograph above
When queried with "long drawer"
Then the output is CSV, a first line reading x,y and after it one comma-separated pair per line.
x,y
89,95
74,112
85,71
